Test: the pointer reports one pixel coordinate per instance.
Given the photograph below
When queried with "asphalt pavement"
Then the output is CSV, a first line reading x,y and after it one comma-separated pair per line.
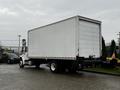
x,y
29,78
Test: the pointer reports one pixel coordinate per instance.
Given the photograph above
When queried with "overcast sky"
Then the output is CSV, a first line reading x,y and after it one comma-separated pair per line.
x,y
18,16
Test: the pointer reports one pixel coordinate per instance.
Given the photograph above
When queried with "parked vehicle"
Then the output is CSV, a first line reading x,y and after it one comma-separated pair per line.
x,y
110,60
10,58
65,44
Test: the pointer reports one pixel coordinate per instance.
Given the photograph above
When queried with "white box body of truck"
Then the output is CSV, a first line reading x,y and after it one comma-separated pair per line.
x,y
66,39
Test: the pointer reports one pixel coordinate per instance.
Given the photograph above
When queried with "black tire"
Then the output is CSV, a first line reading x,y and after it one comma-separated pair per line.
x,y
21,65
9,62
73,67
81,67
37,65
72,70
54,67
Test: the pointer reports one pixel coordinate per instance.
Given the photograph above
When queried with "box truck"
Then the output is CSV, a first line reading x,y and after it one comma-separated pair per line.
x,y
64,44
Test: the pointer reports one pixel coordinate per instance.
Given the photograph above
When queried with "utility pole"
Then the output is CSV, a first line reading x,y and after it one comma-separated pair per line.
x,y
19,36
119,41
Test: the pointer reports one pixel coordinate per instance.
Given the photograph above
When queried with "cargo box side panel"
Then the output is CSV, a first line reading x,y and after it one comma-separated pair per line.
x,y
89,39
53,41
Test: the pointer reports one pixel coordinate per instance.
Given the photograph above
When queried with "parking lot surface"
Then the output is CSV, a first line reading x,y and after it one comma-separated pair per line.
x,y
29,78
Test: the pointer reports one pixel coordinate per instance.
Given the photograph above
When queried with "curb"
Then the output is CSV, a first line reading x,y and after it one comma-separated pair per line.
x,y
101,72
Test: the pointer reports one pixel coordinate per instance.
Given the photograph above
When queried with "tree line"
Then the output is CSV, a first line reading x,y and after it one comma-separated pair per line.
x,y
108,51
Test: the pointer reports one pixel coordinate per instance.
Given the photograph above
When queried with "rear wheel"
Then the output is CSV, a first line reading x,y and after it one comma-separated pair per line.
x,y
72,70
54,67
80,67
73,67
21,65
37,65
9,62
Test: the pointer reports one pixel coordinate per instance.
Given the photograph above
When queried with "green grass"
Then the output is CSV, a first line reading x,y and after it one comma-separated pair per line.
x,y
115,71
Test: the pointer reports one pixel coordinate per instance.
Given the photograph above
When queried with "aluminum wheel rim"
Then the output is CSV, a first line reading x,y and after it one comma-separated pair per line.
x,y
53,66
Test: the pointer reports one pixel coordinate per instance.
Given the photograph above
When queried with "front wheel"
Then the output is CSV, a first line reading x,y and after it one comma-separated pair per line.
x,y
21,65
